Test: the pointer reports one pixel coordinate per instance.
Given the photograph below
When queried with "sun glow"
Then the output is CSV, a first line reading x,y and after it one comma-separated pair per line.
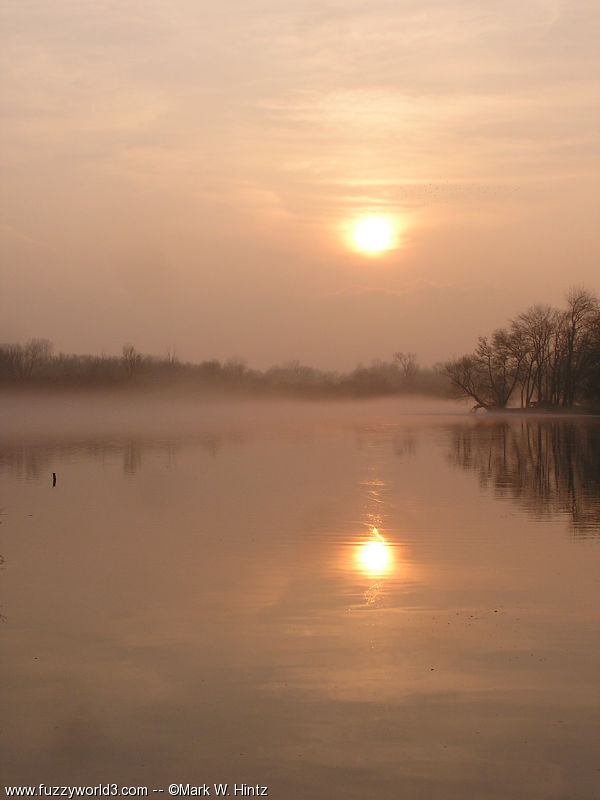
x,y
373,235
375,556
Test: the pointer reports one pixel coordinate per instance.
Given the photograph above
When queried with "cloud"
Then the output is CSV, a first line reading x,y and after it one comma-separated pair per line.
x,y
227,143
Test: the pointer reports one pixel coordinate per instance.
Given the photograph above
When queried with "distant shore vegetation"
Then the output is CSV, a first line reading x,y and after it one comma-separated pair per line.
x,y
34,365
546,358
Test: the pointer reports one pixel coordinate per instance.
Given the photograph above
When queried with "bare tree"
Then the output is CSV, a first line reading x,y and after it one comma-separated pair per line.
x,y
490,374
466,380
172,355
582,311
536,332
23,360
37,352
551,356
500,361
406,363
131,360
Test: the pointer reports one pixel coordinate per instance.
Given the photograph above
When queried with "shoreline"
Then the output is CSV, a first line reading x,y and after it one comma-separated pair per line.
x,y
542,412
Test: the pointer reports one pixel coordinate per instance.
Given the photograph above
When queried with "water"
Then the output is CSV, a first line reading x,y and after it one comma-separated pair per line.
x,y
334,602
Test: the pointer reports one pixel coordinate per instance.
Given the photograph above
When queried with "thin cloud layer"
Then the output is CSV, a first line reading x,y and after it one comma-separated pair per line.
x,y
181,172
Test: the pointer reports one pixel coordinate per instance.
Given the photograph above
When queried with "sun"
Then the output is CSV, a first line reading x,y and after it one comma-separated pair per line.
x,y
373,235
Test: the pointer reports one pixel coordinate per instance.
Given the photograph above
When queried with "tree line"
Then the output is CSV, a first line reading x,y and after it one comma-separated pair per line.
x,y
546,357
34,365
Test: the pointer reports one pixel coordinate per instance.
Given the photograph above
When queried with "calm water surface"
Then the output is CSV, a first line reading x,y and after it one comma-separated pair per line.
x,y
384,605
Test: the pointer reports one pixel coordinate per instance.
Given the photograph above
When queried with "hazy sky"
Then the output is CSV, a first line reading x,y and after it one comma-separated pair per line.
x,y
184,173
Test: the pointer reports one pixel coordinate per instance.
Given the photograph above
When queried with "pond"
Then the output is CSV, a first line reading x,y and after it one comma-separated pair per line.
x,y
336,602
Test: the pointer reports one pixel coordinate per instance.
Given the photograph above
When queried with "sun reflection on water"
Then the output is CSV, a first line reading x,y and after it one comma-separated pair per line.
x,y
375,556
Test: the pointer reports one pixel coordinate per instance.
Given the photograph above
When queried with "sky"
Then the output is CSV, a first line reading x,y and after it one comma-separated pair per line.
x,y
186,175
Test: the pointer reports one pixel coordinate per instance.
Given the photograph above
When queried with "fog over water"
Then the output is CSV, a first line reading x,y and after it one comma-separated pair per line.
x,y
80,414
389,598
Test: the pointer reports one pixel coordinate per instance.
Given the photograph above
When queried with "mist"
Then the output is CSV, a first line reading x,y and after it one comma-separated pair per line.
x,y
105,414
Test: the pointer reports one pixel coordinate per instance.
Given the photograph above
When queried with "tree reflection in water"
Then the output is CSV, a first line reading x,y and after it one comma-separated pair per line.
x,y
2,617
33,461
547,466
